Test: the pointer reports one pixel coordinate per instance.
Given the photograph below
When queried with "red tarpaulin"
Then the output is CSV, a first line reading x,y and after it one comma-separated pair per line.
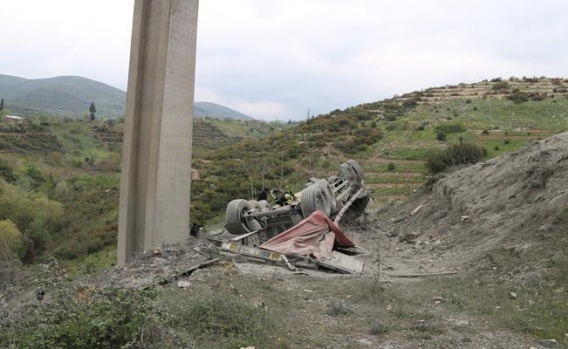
x,y
316,235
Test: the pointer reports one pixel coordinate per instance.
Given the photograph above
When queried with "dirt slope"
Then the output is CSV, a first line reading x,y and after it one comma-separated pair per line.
x,y
515,206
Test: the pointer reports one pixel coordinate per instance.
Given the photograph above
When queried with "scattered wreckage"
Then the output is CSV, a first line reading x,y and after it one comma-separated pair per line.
x,y
302,229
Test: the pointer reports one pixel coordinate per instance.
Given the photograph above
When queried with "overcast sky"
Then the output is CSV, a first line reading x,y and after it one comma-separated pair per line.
x,y
275,59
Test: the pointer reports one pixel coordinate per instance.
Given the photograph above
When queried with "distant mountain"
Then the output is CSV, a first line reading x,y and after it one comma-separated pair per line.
x,y
70,96
67,96
202,109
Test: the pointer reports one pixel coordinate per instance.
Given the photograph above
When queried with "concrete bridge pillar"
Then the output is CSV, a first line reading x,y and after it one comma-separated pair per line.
x,y
156,164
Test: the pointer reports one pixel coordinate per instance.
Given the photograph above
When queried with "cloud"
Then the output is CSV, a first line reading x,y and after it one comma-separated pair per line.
x,y
279,58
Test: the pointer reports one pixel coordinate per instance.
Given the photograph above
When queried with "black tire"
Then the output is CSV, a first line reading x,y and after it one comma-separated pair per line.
x,y
313,200
347,173
328,193
236,221
357,168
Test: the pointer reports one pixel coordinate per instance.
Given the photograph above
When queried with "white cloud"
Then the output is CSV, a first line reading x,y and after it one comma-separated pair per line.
x,y
277,58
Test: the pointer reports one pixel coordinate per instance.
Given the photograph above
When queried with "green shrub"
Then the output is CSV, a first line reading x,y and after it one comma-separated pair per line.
x,y
441,136
451,128
11,241
7,172
391,126
501,85
455,154
229,320
108,318
391,167
350,146
518,96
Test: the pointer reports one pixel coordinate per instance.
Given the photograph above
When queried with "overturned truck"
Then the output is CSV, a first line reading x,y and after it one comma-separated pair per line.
x,y
322,203
342,196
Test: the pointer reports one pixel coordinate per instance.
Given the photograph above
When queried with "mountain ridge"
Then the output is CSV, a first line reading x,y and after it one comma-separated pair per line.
x,y
71,96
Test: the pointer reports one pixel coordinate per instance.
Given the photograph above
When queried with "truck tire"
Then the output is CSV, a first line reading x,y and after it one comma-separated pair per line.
x,y
313,200
328,193
236,221
357,169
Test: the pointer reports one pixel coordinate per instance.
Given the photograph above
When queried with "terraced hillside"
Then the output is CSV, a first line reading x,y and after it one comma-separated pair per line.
x,y
207,136
500,115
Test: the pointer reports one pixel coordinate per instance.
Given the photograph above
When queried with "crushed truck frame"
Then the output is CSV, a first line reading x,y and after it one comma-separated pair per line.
x,y
343,196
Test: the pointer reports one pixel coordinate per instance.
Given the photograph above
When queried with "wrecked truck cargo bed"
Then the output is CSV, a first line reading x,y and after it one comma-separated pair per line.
x,y
311,243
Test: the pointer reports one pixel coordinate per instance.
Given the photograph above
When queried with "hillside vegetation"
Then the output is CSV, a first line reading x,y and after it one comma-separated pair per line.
x,y
74,165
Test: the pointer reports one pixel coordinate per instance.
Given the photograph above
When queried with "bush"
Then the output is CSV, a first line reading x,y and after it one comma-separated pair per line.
x,y
350,146
501,85
451,128
109,318
518,96
441,136
11,241
456,154
7,172
391,167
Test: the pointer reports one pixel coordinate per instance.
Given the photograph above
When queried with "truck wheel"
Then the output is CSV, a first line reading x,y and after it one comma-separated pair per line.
x,y
313,200
352,172
236,221
327,193
357,169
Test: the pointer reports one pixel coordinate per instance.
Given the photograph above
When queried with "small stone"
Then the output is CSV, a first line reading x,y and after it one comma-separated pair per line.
x,y
438,300
389,308
513,295
549,343
183,284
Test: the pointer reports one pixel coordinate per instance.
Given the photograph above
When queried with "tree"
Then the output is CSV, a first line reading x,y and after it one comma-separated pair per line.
x,y
93,110
2,104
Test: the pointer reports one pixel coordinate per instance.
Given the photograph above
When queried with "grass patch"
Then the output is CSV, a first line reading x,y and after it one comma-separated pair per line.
x,y
537,310
337,308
